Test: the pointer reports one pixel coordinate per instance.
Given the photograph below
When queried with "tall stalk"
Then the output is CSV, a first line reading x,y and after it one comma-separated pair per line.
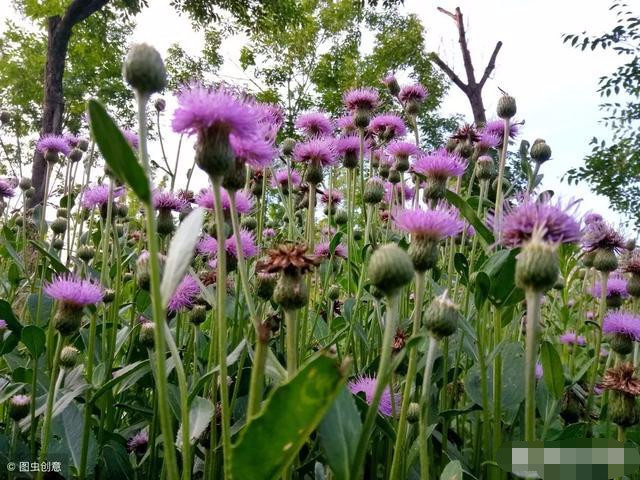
x,y
602,310
533,324
425,399
499,193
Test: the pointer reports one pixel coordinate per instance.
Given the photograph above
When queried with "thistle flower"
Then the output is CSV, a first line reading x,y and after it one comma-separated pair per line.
x,y
323,250
416,92
268,233
334,195
623,323
19,406
281,178
572,338
409,192
318,151
621,379
208,245
288,258
98,195
247,242
139,442
616,291
361,99
3,326
314,124
255,151
167,201
53,144
131,137
73,292
367,385
6,189
346,124
439,165
244,203
349,148
185,294
555,221
488,140
600,235
496,127
590,218
270,119
434,224
387,126
401,148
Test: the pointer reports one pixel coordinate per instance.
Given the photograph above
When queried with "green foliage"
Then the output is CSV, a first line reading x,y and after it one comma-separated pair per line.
x,y
613,167
182,67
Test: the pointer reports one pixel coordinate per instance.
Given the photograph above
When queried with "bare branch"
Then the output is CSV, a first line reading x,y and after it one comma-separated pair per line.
x,y
447,12
491,65
450,73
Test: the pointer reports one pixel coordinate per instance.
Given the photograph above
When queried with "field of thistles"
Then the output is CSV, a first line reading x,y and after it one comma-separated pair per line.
x,y
339,304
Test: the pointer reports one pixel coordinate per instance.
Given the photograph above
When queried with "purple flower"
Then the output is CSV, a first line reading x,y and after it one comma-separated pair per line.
x,y
270,118
616,287
315,124
167,201
323,250
572,338
389,79
268,233
244,204
319,151
349,145
208,245
590,218
539,371
621,322
334,195
139,442
400,148
98,195
367,385
346,124
397,192
489,140
558,223
247,243
383,158
6,189
413,93
53,143
387,126
435,224
3,325
71,139
440,165
496,127
201,109
73,292
328,231
281,178
185,294
255,151
600,235
131,137
361,99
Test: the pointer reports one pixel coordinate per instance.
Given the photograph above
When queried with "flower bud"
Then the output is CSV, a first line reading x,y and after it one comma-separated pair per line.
x,y
198,314
75,155
506,107
341,217
291,291
58,243
29,193
605,260
62,212
413,413
51,156
350,159
5,117
265,284
144,69
540,152
587,259
25,183
623,409
392,84
357,234
109,295
537,266
313,174
434,189
160,104
250,223
442,317
165,225
59,226
19,407
86,253
384,170
146,337
621,344
235,178
390,268
373,191
394,175
424,254
484,168
288,145
570,408
83,144
69,357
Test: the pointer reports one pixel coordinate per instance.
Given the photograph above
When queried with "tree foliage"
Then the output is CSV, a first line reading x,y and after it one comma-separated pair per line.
x,y
613,166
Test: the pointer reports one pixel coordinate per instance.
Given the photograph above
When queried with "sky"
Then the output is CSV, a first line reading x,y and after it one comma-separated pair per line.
x,y
554,84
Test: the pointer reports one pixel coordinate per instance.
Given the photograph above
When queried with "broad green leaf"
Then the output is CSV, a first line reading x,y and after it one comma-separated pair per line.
x,y
271,441
57,265
200,414
181,252
468,213
66,439
6,313
453,471
339,434
117,152
553,373
461,264
34,339
335,241
482,287
121,375
115,462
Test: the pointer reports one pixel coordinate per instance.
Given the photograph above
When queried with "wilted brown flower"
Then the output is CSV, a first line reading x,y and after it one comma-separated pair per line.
x,y
399,340
289,258
467,132
622,379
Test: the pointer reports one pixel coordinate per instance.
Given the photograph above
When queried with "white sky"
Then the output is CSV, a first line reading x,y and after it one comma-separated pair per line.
x,y
554,85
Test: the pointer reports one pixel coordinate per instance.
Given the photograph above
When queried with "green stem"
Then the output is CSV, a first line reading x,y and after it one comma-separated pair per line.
x,y
290,320
87,407
425,399
533,323
499,193
602,309
497,383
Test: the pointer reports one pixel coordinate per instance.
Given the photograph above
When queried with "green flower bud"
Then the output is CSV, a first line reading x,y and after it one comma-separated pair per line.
x,y
570,408
144,69
413,413
621,343
29,193
350,159
160,104
235,178
434,189
165,225
83,144
291,291
630,245
341,217
357,234
58,243
250,223
75,155
265,284
442,317
146,336
605,260
394,176
69,357
288,144
313,174
384,170
506,107
390,268
25,183
109,295
5,117
537,266
424,254
59,226
484,168
19,221
62,212
633,285
623,409
86,253
373,191
540,152
198,314
587,259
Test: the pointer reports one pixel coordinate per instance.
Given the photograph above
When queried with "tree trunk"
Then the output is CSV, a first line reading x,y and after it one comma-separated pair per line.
x,y
59,29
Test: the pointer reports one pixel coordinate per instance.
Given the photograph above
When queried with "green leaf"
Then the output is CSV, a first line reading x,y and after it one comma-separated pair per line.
x,y
553,374
115,461
34,339
482,287
200,414
468,213
461,264
335,241
57,265
453,471
339,433
6,313
117,152
66,439
271,441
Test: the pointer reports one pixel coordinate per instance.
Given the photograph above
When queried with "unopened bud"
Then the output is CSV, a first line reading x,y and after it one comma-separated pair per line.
x,y
144,69
390,268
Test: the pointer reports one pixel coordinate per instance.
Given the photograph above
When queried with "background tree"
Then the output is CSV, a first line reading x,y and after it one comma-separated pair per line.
x,y
613,166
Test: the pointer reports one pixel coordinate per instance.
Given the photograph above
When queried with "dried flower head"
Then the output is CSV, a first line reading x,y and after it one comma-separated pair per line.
x,y
622,379
289,258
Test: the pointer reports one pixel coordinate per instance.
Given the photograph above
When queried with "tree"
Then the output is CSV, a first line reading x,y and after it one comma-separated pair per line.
x,y
473,88
613,167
